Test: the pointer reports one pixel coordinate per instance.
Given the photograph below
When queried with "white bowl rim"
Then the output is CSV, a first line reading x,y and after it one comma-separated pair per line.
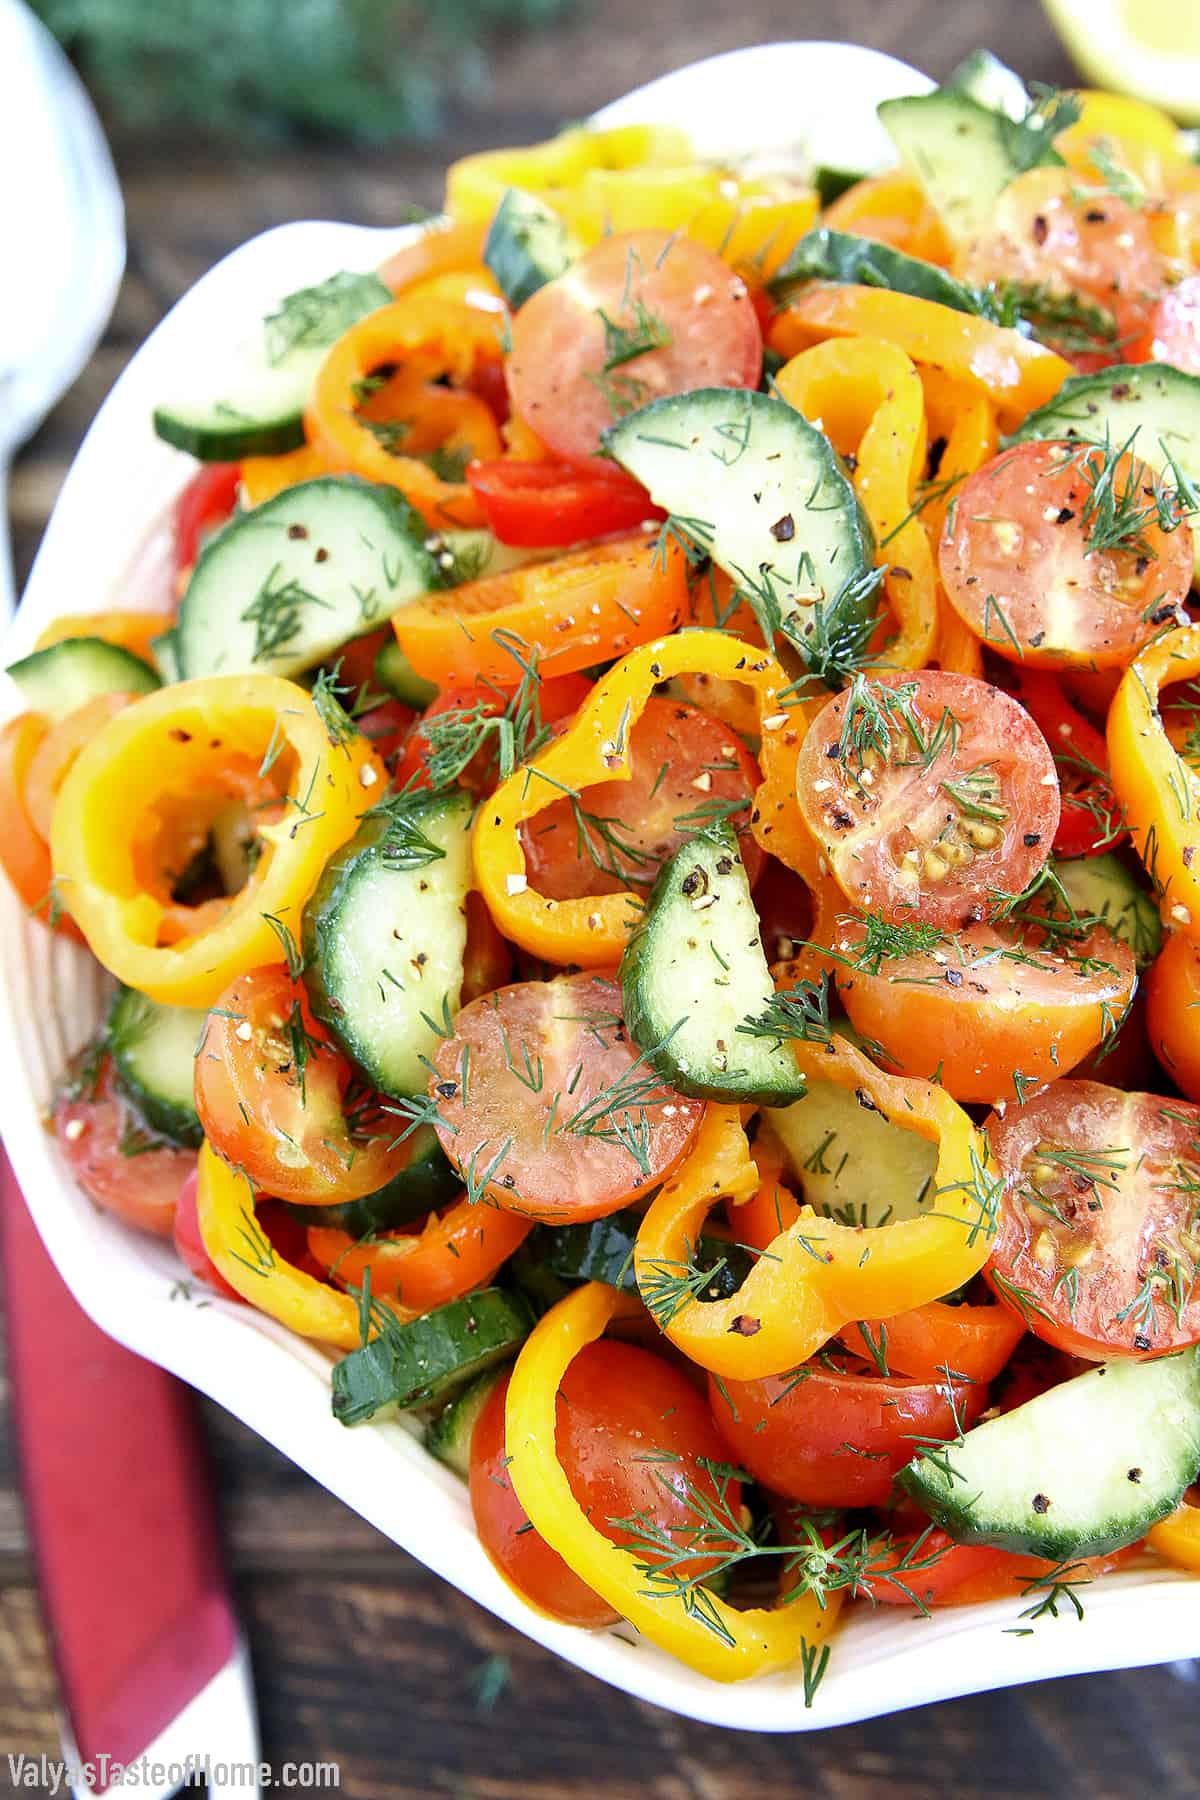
x,y
106,545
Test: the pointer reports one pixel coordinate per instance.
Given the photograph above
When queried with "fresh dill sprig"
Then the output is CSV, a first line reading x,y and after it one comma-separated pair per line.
x,y
1073,325
623,343
798,1014
277,613
514,721
1117,520
403,845
292,954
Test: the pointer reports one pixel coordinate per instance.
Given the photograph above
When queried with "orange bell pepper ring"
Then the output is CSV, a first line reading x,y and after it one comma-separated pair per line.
x,y
254,1268
714,1639
428,336
457,1250
1015,372
24,852
817,1275
577,610
117,801
1178,1537
868,399
1157,787
593,931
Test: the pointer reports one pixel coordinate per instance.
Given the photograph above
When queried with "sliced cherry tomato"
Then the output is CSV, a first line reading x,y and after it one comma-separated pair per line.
x,y
986,1012
635,1438
1173,1013
642,315
1090,820
926,793
973,1341
1050,230
269,1091
935,1571
686,766
189,1245
556,503
1018,563
836,1437
24,852
1097,1250
465,709
124,1168
1124,1059
388,728
205,503
544,1104
1173,334
785,911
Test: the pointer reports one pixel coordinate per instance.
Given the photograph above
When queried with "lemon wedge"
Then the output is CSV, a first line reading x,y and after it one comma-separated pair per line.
x,y
1150,48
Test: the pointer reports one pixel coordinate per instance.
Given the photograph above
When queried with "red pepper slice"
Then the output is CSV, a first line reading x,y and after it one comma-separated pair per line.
x,y
1091,820
550,504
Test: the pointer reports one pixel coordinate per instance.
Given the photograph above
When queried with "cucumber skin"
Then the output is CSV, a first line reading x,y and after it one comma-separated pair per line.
x,y
424,1184
522,228
207,445
418,1362
936,1497
161,1115
824,255
448,1437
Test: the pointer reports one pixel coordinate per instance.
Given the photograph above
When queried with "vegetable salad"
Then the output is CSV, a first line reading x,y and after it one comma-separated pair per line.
x,y
649,863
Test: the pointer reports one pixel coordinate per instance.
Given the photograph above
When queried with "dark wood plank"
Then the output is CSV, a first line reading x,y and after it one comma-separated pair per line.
x,y
362,1656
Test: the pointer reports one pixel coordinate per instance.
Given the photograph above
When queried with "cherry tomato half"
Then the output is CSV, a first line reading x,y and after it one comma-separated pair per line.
x,y
269,1089
634,1437
543,1101
555,503
205,503
835,1437
1024,562
927,792
126,1169
684,764
189,1244
643,315
1097,1248
989,1011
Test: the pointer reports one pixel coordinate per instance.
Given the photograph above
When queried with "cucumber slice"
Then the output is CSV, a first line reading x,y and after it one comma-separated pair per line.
x,y
68,674
448,1437
526,246
694,974
763,492
852,1163
252,403
1159,403
385,933
824,255
396,675
154,1057
417,1362
983,77
832,183
1102,886
1085,1468
963,154
603,1251
426,1182
281,588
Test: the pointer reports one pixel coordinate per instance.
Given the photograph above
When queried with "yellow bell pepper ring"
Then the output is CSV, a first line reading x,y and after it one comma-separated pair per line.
x,y
738,1644
817,1276
170,747
1158,789
250,1263
592,932
1178,1537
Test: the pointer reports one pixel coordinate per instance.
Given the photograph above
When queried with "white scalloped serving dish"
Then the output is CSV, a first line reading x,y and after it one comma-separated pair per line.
x,y
107,545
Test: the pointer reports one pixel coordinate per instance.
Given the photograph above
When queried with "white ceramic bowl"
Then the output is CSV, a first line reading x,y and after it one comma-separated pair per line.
x,y
108,545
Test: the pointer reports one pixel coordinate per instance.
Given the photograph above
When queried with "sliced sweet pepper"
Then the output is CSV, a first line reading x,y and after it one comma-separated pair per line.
x,y
1178,1538
456,1250
1015,372
817,1276
24,853
593,931
253,1266
963,421
116,805
135,631
579,609
1158,789
869,401
722,1643
892,209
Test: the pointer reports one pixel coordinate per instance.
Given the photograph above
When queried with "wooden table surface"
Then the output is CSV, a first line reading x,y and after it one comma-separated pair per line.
x,y
360,1655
